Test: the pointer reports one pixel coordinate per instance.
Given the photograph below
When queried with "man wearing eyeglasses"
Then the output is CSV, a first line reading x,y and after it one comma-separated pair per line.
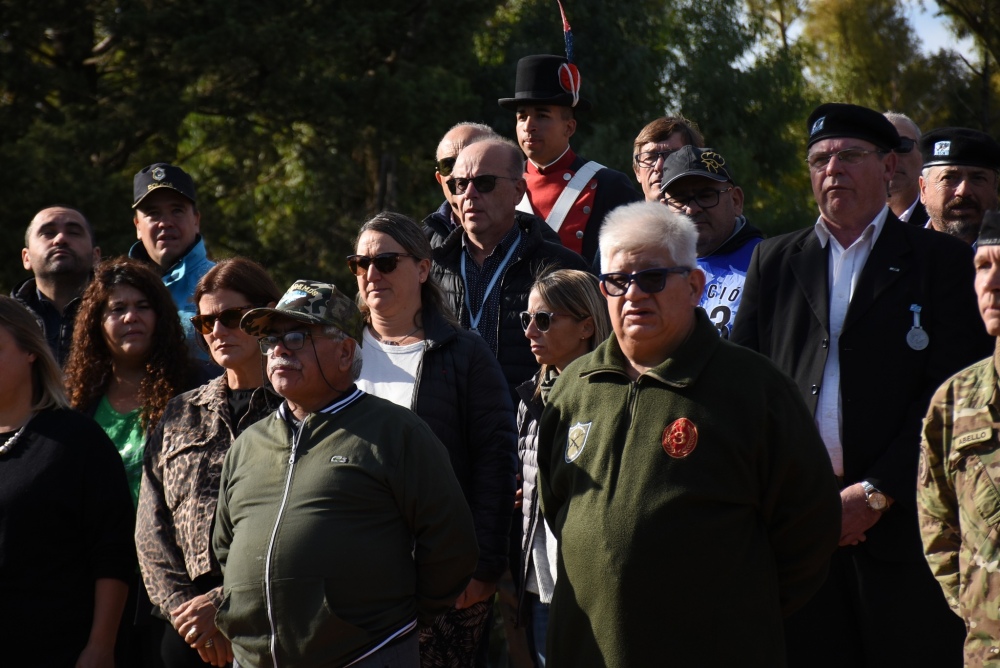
x,y
654,143
683,476
958,184
698,183
488,269
340,523
572,194
904,187
868,315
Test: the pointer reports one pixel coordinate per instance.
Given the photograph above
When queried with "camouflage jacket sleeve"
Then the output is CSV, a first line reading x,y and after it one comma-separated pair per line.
x,y
937,507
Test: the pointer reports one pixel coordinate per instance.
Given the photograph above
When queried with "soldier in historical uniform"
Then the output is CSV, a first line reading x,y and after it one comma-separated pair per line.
x,y
571,193
959,474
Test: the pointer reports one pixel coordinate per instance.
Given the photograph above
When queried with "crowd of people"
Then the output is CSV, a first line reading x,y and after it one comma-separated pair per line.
x,y
616,416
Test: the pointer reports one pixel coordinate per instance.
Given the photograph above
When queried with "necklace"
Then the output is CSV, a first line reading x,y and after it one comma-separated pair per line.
x,y
397,341
10,442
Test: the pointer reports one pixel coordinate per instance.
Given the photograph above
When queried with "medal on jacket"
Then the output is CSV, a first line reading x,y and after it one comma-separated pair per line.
x,y
917,338
679,438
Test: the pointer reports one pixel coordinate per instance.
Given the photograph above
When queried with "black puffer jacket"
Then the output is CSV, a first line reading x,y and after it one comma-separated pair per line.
x,y
461,393
533,254
437,226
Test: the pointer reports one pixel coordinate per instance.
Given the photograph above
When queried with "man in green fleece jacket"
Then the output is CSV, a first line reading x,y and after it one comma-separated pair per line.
x,y
340,524
693,499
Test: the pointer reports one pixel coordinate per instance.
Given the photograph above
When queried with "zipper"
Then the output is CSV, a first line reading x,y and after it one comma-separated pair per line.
x,y
270,547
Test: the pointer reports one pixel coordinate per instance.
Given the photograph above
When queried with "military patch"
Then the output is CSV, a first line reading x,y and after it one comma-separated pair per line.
x,y
923,471
576,439
976,436
158,173
942,148
339,459
817,126
680,438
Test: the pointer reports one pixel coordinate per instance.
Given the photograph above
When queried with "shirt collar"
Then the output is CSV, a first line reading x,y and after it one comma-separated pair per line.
x,y
871,232
502,247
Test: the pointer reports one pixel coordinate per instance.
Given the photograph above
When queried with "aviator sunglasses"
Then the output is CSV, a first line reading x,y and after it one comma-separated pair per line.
x,y
385,262
230,319
649,281
543,319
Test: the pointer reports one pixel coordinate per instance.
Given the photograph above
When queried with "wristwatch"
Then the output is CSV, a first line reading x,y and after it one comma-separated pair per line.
x,y
875,499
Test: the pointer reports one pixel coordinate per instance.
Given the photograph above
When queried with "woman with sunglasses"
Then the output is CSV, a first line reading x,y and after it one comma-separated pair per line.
x,y
417,356
567,317
183,465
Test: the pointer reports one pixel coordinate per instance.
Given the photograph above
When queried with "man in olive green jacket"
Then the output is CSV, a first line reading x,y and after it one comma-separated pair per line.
x,y
692,496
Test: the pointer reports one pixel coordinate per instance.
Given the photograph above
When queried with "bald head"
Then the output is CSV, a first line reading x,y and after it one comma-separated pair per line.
x,y
457,138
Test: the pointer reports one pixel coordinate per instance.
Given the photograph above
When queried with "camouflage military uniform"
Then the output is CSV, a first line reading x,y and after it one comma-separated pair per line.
x,y
958,494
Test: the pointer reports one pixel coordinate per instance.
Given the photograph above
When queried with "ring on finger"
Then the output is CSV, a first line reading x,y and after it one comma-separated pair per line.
x,y
209,643
192,634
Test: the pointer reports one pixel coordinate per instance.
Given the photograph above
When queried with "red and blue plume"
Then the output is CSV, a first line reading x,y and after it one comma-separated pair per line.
x,y
569,75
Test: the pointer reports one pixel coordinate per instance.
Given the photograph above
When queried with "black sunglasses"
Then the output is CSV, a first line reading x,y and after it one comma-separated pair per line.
x,y
484,183
543,319
649,281
445,165
385,262
905,145
230,319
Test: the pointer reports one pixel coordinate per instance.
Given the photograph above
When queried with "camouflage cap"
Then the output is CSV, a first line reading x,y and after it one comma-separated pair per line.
x,y
313,303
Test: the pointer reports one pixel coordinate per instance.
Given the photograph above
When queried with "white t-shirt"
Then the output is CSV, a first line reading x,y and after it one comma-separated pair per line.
x,y
390,371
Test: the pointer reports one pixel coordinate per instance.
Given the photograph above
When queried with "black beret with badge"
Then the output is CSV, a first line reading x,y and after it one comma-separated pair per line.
x,y
960,146
989,233
833,120
161,175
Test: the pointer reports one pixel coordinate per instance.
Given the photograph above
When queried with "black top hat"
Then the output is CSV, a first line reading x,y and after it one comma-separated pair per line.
x,y
960,146
546,80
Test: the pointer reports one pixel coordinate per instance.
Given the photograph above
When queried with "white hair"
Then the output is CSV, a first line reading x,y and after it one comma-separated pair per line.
x,y
337,334
644,225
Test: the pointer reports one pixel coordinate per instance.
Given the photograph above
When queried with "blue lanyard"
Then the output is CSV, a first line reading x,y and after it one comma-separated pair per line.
x,y
475,318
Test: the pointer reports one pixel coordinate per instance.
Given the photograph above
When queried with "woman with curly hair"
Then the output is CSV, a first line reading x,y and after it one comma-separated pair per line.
x,y
128,357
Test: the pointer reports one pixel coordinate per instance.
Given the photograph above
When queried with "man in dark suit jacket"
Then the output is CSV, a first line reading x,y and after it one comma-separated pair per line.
x,y
868,315
904,188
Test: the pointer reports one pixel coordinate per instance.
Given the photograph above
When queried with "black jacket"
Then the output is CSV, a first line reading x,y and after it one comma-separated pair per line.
x,y
885,385
58,327
460,393
533,254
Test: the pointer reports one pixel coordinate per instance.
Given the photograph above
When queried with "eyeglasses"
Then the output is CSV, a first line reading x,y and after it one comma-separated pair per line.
x,y
293,340
905,145
706,199
230,319
650,158
543,319
384,262
851,156
649,281
484,183
445,165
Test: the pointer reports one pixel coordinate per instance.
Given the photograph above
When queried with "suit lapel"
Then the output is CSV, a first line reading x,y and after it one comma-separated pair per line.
x,y
887,263
810,265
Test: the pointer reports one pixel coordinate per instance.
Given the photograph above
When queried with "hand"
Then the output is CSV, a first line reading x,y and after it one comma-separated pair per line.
x,y
519,494
96,655
476,591
195,622
857,517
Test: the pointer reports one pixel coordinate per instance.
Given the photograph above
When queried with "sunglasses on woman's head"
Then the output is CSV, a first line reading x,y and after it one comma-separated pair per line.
x,y
384,262
230,319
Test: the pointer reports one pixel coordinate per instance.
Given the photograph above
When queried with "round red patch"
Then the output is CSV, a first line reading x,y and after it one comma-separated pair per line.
x,y
680,438
569,78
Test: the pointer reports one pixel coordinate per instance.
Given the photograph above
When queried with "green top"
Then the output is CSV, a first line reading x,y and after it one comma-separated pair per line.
x,y
125,431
